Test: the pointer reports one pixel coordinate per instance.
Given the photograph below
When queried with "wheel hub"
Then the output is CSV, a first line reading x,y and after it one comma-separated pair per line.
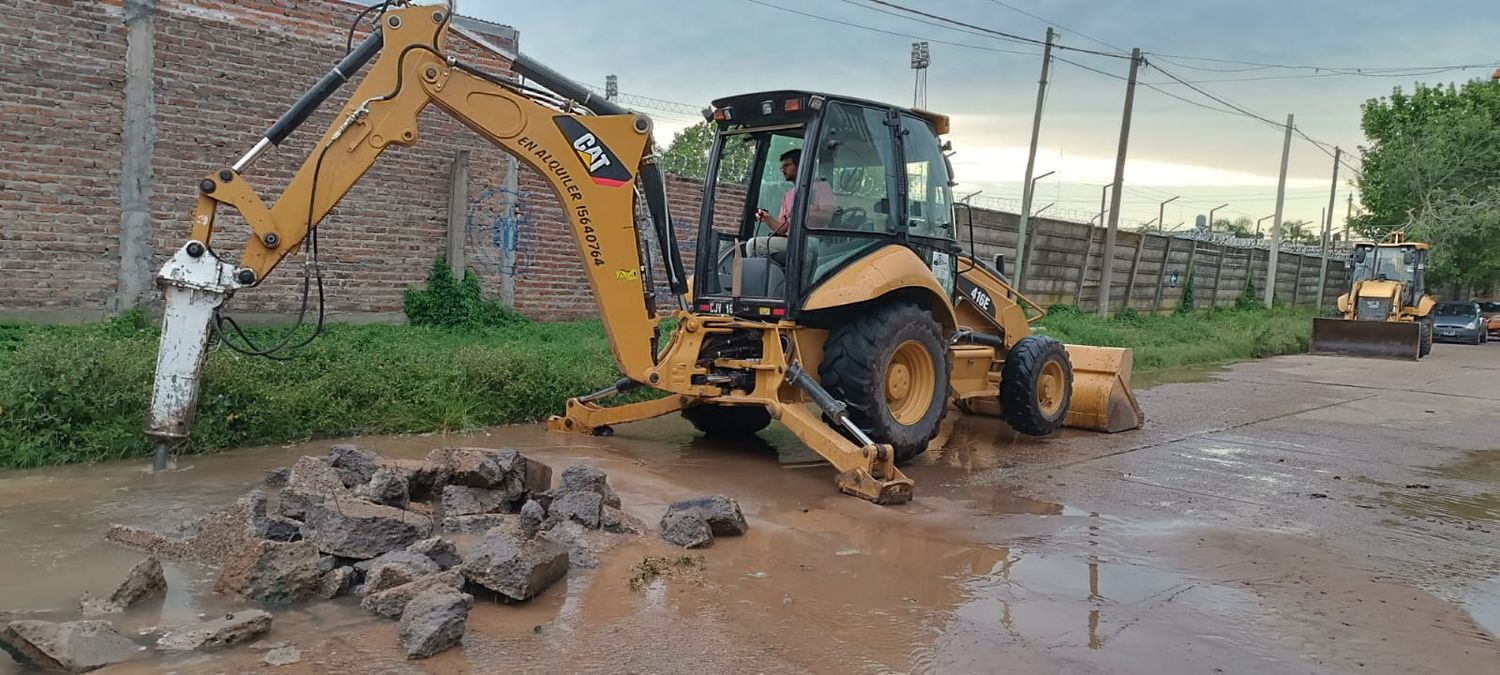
x,y
910,379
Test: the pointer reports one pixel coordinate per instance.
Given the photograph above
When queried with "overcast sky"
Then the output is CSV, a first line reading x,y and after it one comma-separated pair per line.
x,y
691,51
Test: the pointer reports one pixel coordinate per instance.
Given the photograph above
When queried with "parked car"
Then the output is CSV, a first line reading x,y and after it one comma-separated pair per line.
x,y
1490,311
1459,322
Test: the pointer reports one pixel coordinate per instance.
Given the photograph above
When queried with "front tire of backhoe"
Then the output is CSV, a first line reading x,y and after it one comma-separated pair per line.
x,y
727,421
1424,331
892,367
1036,385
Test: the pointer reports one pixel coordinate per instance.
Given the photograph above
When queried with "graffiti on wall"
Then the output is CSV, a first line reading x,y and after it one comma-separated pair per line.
x,y
498,231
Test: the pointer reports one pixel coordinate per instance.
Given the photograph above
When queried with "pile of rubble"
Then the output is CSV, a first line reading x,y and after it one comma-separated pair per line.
x,y
414,540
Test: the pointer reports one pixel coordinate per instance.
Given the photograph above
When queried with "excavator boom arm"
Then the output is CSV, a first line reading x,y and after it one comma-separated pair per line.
x,y
593,164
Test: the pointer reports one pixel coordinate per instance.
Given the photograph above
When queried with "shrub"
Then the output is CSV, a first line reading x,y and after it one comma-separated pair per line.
x,y
455,304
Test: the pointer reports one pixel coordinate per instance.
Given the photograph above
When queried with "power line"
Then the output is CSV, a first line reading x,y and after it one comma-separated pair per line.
x,y
1059,25
873,29
1366,71
989,31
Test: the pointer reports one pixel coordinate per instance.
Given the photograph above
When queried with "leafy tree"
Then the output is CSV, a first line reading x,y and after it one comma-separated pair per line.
x,y
1239,227
1433,166
687,155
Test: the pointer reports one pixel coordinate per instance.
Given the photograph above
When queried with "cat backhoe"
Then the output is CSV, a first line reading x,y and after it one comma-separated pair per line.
x,y
1387,312
829,291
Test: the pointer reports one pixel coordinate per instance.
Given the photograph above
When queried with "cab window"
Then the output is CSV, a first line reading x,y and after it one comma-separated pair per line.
x,y
854,172
929,194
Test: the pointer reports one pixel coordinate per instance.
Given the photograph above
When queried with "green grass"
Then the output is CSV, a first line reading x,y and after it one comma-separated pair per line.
x,y
1170,341
79,393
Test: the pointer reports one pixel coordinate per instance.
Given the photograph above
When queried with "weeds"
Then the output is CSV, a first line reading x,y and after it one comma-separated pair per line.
x,y
1165,341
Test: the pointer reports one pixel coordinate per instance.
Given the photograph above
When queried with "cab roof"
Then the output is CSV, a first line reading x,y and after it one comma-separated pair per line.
x,y
938,121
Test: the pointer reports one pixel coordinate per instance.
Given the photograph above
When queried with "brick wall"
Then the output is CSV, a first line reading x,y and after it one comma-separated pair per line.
x,y
223,70
60,92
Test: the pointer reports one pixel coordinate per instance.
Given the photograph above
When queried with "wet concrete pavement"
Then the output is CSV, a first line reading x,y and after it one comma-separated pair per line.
x,y
1296,515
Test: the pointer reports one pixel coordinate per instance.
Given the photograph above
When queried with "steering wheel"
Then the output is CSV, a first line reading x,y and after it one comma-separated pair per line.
x,y
853,218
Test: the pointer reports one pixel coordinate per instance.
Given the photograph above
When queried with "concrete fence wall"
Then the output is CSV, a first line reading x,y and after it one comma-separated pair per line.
x,y
1065,261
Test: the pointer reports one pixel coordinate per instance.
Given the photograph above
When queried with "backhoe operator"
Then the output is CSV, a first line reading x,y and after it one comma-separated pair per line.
x,y
819,213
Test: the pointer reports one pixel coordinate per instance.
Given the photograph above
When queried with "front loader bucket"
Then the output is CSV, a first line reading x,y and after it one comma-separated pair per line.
x,y
1102,399
1377,339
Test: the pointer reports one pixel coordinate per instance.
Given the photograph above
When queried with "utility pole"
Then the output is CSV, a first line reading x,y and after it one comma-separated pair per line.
x,y
1161,212
1286,152
1328,227
1106,273
1036,130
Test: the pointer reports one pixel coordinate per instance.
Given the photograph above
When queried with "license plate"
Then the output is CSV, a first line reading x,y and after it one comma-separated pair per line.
x,y
1447,333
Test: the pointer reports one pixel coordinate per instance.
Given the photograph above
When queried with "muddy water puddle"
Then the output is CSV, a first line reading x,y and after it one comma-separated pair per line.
x,y
963,579
1465,490
1191,374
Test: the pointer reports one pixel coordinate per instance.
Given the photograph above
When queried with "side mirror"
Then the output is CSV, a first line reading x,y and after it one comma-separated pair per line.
x,y
1000,263
1359,255
1408,256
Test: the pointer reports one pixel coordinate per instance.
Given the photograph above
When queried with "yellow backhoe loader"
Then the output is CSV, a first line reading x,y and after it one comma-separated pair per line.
x,y
829,290
1387,311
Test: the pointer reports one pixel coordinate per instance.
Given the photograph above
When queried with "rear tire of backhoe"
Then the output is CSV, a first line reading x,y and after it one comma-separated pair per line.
x,y
727,421
892,367
1424,329
1036,385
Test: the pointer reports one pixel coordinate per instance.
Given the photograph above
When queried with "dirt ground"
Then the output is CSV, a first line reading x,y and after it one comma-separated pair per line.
x,y
1295,515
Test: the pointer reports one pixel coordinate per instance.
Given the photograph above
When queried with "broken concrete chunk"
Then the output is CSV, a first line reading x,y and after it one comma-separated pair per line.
x,y
390,603
335,582
312,481
585,508
459,500
585,478
438,550
515,567
271,573
686,529
388,575
315,476
477,524
72,647
472,467
420,565
282,656
208,539
619,522
434,621
532,516
424,481
278,528
721,513
536,477
356,529
387,487
241,626
277,477
583,545
144,580
355,465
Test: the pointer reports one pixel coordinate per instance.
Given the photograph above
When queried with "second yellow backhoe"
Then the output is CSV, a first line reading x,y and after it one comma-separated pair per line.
x,y
1387,312
829,291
